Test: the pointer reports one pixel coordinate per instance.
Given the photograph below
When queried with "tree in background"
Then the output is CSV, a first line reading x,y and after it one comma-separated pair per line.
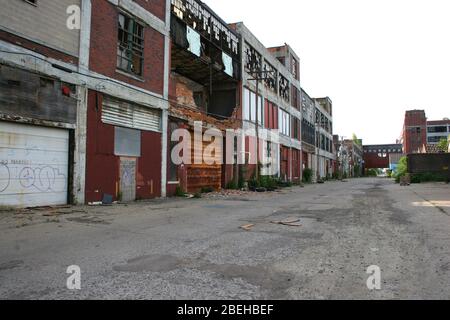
x,y
356,140
443,145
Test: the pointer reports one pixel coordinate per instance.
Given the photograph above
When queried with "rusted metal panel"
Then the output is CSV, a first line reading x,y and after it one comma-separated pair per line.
x,y
103,171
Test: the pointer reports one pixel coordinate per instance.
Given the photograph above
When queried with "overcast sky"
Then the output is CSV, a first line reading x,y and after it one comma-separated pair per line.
x,y
374,59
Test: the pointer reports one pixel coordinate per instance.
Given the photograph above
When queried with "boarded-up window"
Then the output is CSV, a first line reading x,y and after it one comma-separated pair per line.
x,y
127,142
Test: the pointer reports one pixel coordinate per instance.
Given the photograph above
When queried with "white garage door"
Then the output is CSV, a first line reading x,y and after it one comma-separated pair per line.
x,y
33,165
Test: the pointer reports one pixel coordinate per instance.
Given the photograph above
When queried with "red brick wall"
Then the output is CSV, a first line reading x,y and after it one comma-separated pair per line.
x,y
103,55
373,161
33,46
412,139
103,167
156,7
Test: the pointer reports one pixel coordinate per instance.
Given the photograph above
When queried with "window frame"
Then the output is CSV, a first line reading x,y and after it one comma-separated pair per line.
x,y
130,44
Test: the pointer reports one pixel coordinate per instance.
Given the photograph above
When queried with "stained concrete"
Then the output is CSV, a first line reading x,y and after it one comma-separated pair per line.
x,y
194,249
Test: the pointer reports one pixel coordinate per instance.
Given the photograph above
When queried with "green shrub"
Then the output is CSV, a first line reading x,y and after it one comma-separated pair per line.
x,y
307,175
253,183
179,192
402,169
232,185
372,173
268,182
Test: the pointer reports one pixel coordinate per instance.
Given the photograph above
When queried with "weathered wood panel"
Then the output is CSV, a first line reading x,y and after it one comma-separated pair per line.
x,y
29,95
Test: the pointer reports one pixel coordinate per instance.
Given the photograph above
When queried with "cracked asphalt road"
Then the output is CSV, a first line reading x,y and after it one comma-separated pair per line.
x,y
195,249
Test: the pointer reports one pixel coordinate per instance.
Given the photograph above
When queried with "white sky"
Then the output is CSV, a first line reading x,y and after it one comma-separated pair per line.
x,y
373,58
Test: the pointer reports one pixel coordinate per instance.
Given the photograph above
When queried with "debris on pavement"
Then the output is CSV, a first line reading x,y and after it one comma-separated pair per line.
x,y
247,227
292,222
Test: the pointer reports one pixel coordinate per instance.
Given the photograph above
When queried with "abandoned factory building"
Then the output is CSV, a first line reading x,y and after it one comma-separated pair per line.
x,y
89,104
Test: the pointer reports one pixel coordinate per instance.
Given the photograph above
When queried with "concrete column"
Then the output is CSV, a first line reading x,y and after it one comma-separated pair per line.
x,y
165,113
79,170
85,35
164,151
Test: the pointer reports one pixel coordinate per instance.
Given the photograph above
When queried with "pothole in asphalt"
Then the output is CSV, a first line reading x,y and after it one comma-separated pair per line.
x,y
257,275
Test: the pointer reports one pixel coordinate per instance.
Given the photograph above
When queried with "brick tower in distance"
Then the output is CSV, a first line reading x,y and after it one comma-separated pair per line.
x,y
414,131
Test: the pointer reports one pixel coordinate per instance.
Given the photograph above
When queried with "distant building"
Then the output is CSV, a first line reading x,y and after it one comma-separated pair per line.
x,y
382,156
437,130
355,157
414,131
420,135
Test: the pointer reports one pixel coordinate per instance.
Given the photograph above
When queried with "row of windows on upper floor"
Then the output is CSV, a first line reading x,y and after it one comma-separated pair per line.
x,y
268,115
257,66
395,150
436,139
438,129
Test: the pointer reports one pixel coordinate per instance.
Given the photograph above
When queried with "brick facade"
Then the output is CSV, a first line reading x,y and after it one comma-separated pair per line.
x,y
103,55
414,131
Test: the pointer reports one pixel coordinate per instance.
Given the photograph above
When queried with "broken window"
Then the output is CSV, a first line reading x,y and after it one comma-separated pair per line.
x,y
228,63
252,59
130,49
193,39
294,68
284,88
270,79
199,18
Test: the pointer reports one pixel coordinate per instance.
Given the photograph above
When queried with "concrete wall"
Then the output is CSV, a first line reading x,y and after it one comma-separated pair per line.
x,y
44,23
